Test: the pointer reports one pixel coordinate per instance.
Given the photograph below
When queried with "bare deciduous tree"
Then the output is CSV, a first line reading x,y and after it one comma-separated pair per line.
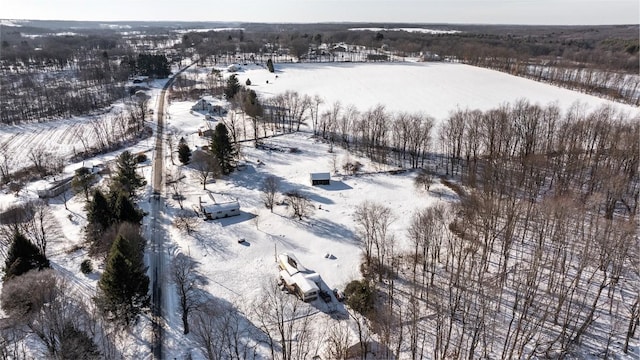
x,y
270,187
338,339
300,204
373,221
425,179
42,227
175,180
206,166
222,332
187,282
285,324
186,220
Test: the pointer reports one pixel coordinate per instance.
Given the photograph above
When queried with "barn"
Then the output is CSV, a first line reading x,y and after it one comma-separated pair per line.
x,y
320,179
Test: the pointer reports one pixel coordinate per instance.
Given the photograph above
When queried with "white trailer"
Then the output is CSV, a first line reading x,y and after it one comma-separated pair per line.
x,y
298,279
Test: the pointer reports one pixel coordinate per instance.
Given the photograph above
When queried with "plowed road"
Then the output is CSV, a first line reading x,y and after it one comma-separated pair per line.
x,y
157,257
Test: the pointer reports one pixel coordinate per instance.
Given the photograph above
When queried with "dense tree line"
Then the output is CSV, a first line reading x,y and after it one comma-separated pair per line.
x,y
113,229
537,259
156,66
106,212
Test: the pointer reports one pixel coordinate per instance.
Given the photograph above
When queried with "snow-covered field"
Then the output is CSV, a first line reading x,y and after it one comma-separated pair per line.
x,y
435,89
238,272
416,30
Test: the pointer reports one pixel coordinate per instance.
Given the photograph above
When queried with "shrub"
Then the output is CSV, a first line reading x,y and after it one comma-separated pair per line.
x,y
140,158
86,266
184,152
360,296
352,167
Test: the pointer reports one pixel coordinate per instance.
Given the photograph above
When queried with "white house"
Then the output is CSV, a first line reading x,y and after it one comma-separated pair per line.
x,y
210,105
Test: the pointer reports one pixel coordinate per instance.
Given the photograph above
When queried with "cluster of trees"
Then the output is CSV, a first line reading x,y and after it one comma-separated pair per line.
x,y
535,151
25,99
37,300
536,259
113,230
506,278
218,159
107,212
403,138
153,65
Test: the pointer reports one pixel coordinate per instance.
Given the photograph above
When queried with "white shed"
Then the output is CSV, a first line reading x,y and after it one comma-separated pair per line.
x,y
320,178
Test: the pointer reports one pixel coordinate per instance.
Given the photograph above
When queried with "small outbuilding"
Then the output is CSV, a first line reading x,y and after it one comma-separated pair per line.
x,y
56,188
320,179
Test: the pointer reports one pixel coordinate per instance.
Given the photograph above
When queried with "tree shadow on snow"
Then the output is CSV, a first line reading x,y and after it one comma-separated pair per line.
x,y
328,229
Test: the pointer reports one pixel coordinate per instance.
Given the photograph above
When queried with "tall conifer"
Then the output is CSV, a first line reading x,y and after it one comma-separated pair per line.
x,y
124,285
22,257
222,148
125,211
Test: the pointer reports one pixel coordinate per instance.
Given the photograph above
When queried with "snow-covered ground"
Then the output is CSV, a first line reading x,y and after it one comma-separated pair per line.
x,y
435,89
416,30
237,272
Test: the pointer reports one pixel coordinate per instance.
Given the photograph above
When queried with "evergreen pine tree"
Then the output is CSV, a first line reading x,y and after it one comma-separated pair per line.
x,y
99,215
124,285
270,65
126,178
82,181
184,153
222,148
22,257
125,211
232,88
251,104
